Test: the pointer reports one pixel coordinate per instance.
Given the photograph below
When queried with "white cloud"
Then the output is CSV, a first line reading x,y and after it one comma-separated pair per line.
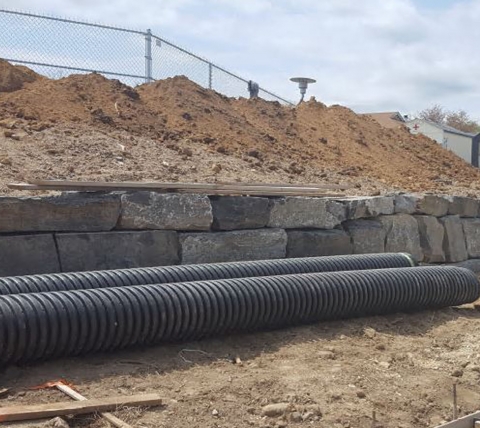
x,y
371,54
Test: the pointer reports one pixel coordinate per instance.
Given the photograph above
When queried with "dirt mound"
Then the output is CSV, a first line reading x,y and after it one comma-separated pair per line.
x,y
223,138
13,77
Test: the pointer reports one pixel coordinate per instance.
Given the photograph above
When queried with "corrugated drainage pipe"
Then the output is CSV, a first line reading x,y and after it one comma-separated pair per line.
x,y
47,325
170,274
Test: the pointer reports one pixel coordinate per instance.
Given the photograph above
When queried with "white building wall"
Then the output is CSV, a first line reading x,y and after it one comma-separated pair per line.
x,y
427,129
461,145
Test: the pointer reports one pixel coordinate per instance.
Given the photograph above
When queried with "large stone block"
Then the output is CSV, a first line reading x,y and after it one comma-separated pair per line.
x,y
311,243
405,204
454,239
369,206
463,206
299,212
367,236
239,212
402,235
116,250
432,205
233,246
431,238
150,210
68,212
471,229
27,254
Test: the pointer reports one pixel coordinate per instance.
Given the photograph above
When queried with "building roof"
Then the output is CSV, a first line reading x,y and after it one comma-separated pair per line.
x,y
445,128
390,119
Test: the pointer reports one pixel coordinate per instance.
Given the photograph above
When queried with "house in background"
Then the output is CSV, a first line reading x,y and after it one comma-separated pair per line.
x,y
391,119
463,144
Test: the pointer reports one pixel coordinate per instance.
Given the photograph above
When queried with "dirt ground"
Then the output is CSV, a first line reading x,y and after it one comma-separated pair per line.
x,y
336,374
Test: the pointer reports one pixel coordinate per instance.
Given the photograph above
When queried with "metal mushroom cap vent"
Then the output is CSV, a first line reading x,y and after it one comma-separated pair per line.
x,y
302,84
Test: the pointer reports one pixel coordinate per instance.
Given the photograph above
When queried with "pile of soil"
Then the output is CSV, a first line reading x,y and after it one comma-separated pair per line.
x,y
90,127
13,77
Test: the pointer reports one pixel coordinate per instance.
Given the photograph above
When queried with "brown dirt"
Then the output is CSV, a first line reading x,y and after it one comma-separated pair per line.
x,y
13,77
400,366
89,127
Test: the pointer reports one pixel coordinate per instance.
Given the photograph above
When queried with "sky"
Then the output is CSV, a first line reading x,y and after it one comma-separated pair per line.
x,y
369,55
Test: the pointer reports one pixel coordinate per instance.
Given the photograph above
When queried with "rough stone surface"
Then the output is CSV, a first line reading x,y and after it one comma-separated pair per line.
x,y
365,207
471,228
367,236
472,264
405,204
311,243
28,254
454,239
402,235
463,206
316,213
151,210
276,409
233,246
432,205
76,212
115,250
431,238
240,212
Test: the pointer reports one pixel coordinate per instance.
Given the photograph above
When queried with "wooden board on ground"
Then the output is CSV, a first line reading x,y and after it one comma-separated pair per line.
x,y
40,411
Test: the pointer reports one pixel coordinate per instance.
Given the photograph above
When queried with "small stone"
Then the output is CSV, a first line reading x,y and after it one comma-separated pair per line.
x,y
296,417
57,423
307,416
276,409
327,355
370,333
380,347
384,364
457,373
361,394
475,369
215,412
314,408
217,168
281,424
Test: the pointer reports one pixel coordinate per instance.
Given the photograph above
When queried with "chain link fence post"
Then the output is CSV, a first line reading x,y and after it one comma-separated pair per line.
x,y
210,73
148,56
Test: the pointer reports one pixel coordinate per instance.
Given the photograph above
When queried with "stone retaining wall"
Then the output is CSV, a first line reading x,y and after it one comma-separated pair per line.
x,y
87,231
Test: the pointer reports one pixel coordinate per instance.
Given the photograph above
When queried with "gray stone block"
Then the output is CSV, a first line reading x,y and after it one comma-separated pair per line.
x,y
369,206
75,212
239,212
238,245
299,212
151,210
116,250
454,239
28,254
472,264
402,235
471,229
367,236
432,205
405,204
431,238
463,206
311,243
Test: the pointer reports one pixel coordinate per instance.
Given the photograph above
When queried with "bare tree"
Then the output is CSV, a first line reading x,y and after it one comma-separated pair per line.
x,y
435,114
456,119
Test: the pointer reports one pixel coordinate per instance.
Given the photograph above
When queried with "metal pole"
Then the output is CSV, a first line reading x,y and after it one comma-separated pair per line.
x,y
148,56
210,73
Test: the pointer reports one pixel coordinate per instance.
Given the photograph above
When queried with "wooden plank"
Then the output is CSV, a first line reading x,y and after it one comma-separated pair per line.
x,y
39,411
246,191
174,186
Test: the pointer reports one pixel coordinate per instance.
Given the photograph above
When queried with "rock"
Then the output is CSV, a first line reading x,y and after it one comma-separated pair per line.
x,y
277,409
215,412
314,408
28,254
296,417
370,332
70,212
310,243
384,364
457,373
326,355
405,204
56,423
300,212
364,207
380,347
240,212
281,424
238,245
463,206
367,236
454,244
432,205
115,250
472,264
402,235
151,210
308,416
361,394
471,229
431,238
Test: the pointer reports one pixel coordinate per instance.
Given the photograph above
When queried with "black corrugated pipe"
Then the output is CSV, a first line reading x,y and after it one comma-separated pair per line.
x,y
67,323
187,273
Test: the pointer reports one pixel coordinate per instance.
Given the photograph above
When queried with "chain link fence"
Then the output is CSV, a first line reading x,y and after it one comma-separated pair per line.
x,y
57,47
